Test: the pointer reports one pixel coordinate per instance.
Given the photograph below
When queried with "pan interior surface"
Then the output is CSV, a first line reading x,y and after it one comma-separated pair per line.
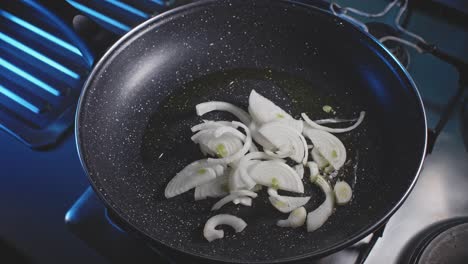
x,y
133,127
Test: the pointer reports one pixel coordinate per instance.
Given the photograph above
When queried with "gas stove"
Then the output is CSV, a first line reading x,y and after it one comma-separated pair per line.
x,y
40,186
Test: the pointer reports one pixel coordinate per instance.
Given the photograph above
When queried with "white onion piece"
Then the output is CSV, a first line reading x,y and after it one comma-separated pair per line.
x,y
208,124
223,146
277,175
343,192
293,123
328,145
285,139
334,130
314,171
245,148
193,175
284,152
286,204
206,107
263,110
209,231
259,138
226,129
320,215
319,159
219,169
334,120
299,168
246,201
231,197
214,188
295,219
241,179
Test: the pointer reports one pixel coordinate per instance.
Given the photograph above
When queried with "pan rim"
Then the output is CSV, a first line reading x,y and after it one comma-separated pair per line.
x,y
318,254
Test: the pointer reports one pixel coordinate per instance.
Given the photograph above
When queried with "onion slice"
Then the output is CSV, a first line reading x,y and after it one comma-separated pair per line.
x,y
239,154
209,231
193,175
206,107
295,219
314,171
286,204
263,110
299,168
328,145
334,130
231,197
320,215
247,201
277,175
286,139
343,192
214,188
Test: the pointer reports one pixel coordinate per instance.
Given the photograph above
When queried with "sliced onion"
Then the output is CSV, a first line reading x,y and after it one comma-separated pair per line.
x,y
246,201
263,110
206,107
333,130
299,168
211,233
319,216
314,171
239,154
284,152
229,130
286,139
240,179
343,192
328,145
231,197
214,188
208,124
298,125
319,159
295,219
259,138
334,121
286,204
193,175
277,175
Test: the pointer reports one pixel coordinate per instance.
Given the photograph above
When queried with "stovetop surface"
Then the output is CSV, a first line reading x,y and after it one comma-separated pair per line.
x,y
38,188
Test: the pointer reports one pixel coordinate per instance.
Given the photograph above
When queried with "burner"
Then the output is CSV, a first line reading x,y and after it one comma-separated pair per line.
x,y
448,247
379,30
444,242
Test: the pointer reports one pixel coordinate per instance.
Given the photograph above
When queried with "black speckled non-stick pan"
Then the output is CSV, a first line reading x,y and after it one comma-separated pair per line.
x,y
136,110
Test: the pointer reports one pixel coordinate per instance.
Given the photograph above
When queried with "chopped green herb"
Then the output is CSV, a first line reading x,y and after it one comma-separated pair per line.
x,y
328,109
221,151
279,115
275,183
334,154
201,171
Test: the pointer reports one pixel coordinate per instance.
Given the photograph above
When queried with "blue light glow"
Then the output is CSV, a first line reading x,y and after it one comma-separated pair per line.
x,y
99,16
38,55
40,32
128,8
29,77
18,99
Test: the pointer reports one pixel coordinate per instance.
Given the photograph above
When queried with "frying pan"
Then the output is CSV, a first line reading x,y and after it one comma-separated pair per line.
x,y
137,107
